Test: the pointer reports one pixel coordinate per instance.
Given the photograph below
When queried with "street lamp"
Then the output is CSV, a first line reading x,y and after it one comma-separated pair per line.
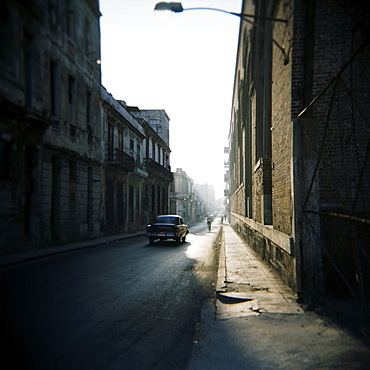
x,y
177,8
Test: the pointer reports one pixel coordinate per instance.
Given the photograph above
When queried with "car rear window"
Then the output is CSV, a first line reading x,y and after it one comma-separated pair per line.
x,y
167,220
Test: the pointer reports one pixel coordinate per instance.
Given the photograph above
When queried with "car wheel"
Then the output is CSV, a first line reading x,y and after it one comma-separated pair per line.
x,y
184,239
151,240
177,240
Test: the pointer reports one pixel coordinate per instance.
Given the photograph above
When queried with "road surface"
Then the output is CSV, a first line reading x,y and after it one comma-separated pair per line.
x,y
125,305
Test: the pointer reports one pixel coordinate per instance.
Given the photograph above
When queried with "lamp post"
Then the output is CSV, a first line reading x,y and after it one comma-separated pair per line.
x,y
177,8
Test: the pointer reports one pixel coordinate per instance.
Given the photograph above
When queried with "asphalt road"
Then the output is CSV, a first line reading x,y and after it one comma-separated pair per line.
x,y
125,305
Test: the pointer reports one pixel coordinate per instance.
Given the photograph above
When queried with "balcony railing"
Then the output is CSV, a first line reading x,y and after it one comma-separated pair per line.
x,y
153,166
117,156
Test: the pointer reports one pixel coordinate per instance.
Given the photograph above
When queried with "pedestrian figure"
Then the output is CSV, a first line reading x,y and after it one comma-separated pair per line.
x,y
209,223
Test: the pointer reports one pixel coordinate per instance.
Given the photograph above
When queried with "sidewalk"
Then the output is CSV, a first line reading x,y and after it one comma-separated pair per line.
x,y
257,324
11,259
244,278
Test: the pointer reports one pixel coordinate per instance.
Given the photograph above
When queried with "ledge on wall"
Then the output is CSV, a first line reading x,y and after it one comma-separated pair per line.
x,y
282,240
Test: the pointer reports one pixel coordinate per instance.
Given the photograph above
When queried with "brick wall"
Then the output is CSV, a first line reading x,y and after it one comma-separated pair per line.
x,y
281,127
238,201
335,140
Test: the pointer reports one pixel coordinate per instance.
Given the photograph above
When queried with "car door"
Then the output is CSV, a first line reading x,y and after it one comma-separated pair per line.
x,y
182,227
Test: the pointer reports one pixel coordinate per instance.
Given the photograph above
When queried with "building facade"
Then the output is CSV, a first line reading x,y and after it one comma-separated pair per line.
x,y
181,197
137,172
157,161
190,200
124,172
159,121
75,163
207,193
298,161
50,131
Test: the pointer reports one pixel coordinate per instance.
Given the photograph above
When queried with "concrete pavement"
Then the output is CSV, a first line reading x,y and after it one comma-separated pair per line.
x,y
245,278
256,323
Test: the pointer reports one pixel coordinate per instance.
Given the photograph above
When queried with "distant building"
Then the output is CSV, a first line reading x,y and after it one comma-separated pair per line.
x,y
198,206
181,197
189,200
207,192
157,119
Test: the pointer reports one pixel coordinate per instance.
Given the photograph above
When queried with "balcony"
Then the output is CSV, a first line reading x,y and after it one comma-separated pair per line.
x,y
180,195
157,169
121,158
139,170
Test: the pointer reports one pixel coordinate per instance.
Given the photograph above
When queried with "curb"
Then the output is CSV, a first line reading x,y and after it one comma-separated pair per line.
x,y
27,256
221,277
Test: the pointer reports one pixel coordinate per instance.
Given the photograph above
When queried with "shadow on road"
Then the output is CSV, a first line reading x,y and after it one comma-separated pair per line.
x,y
167,244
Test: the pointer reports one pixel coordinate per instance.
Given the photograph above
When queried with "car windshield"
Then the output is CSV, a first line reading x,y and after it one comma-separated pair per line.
x,y
167,220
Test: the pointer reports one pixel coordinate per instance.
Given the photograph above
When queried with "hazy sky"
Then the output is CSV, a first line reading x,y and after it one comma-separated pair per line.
x,y
185,66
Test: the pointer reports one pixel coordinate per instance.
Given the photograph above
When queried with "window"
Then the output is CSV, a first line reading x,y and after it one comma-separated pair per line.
x,y
5,152
110,142
137,203
146,148
53,87
88,40
73,171
153,150
88,107
71,89
28,66
258,126
131,203
69,19
156,124
120,139
138,152
132,148
89,118
72,131
53,17
6,34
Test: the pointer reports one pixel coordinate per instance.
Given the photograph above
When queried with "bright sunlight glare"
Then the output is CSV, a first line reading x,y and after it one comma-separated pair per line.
x,y
185,66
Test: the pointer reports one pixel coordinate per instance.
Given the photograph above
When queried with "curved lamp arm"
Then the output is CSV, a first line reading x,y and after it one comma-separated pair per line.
x,y
177,8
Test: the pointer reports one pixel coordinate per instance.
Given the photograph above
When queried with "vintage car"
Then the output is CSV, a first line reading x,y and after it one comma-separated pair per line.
x,y
167,227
